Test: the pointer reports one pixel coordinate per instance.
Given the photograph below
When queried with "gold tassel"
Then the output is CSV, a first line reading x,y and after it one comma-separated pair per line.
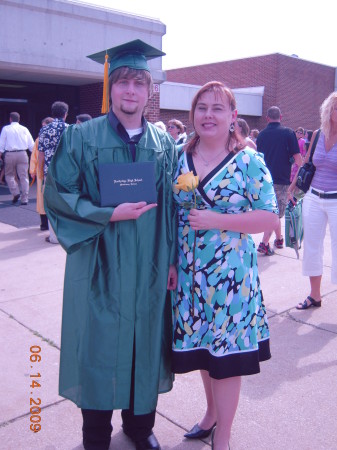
x,y
105,102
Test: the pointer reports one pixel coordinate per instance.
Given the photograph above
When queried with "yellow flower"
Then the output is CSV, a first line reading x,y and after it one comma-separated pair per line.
x,y
187,182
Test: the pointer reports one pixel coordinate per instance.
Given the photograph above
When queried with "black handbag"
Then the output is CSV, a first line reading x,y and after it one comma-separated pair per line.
x,y
307,171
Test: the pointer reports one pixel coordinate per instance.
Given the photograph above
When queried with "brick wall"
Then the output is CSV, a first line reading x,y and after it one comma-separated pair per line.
x,y
301,88
91,99
152,111
298,87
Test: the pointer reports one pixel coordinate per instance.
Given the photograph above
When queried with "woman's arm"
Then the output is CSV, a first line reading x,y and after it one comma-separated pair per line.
x,y
251,143
251,222
33,160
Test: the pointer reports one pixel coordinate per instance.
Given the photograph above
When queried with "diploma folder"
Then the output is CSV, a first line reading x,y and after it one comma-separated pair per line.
x,y
127,183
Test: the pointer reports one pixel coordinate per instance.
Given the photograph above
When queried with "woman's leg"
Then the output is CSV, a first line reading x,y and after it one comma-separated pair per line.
x,y
332,219
314,227
315,287
226,395
209,418
315,293
314,223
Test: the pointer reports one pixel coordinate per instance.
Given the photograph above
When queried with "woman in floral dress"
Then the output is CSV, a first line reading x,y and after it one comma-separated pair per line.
x,y
222,329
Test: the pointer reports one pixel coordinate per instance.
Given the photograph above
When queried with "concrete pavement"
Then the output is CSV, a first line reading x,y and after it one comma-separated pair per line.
x,y
291,405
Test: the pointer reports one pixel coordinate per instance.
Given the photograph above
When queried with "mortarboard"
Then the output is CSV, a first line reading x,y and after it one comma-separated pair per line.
x,y
133,54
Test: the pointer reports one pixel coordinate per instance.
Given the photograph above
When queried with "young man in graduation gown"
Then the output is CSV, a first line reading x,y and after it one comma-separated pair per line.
x,y
116,323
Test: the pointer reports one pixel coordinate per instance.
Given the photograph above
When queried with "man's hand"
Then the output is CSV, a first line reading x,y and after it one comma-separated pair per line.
x,y
172,278
130,211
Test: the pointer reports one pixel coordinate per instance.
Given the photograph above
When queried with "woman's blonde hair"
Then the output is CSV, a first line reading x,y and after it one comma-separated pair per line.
x,y
219,89
326,110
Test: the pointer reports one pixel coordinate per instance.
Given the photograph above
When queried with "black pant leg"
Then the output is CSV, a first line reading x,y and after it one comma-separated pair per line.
x,y
44,221
96,429
140,426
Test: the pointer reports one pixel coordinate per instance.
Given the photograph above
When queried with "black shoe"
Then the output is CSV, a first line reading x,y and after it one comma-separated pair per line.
x,y
308,302
198,433
24,203
47,239
149,443
15,199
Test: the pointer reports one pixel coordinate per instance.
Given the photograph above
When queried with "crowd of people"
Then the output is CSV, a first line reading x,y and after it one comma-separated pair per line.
x,y
21,158
190,255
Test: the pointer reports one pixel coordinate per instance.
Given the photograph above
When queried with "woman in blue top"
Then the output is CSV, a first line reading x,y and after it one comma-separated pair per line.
x,y
222,330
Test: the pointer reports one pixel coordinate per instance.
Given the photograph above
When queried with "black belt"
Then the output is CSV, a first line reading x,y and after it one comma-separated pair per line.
x,y
323,194
14,151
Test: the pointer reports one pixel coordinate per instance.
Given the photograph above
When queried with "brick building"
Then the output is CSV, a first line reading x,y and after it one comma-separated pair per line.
x,y
31,80
297,86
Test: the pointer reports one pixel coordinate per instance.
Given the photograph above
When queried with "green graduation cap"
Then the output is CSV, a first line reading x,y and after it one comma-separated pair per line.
x,y
132,54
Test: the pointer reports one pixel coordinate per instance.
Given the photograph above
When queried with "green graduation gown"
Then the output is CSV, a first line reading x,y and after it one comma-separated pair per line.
x,y
115,289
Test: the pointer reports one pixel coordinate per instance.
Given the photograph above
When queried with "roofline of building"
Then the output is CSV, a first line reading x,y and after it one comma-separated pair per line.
x,y
249,57
109,9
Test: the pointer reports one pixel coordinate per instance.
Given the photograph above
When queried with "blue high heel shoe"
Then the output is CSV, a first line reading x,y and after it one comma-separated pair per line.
x,y
198,433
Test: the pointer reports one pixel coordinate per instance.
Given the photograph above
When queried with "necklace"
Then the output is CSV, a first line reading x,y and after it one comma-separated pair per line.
x,y
207,162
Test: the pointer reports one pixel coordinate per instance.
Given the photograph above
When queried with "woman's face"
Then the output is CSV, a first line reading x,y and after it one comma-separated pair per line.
x,y
173,130
213,116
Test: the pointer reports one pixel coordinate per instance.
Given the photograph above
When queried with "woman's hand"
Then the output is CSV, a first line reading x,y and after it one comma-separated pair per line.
x,y
202,219
172,278
130,211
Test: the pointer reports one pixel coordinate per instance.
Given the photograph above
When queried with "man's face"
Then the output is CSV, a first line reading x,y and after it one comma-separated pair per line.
x,y
129,96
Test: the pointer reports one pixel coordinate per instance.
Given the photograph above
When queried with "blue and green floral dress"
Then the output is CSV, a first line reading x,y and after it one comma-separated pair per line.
x,y
228,333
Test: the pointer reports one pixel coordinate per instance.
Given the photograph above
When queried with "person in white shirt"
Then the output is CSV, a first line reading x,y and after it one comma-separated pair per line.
x,y
15,140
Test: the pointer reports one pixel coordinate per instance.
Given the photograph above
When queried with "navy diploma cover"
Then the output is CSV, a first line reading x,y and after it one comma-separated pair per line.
x,y
127,183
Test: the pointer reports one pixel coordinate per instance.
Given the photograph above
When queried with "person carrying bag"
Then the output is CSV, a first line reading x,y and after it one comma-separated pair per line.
x,y
320,202
306,173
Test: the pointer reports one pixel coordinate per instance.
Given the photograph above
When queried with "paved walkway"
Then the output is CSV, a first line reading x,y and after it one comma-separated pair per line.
x,y
291,405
